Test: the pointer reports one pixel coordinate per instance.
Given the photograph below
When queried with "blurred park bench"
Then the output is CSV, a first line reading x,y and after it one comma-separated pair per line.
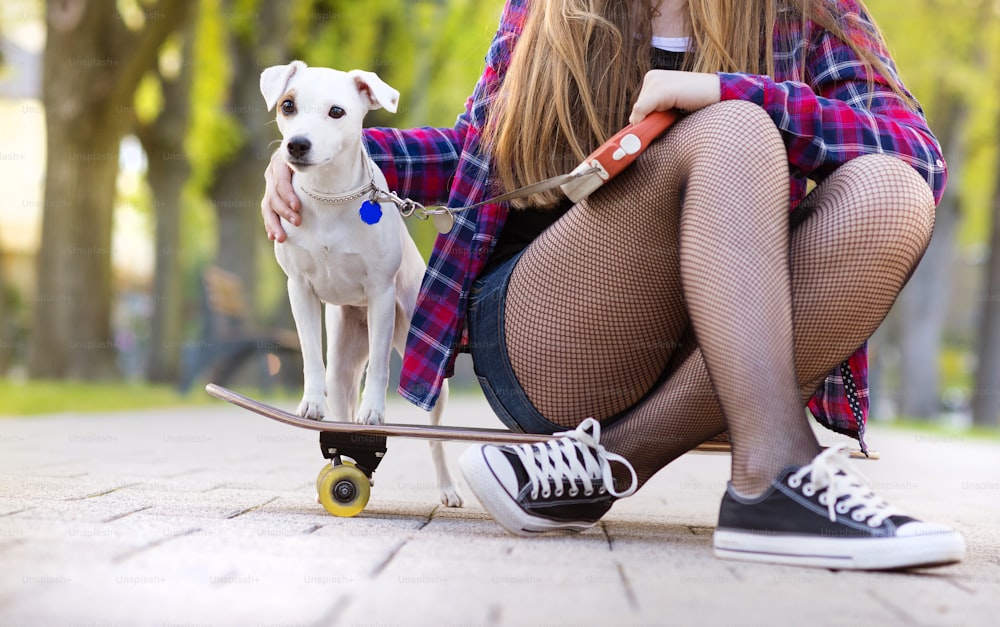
x,y
230,340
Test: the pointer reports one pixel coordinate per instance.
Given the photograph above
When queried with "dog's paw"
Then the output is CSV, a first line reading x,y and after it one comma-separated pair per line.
x,y
370,415
450,496
311,409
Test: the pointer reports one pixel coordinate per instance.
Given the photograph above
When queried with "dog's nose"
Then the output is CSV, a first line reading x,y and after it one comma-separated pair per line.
x,y
298,147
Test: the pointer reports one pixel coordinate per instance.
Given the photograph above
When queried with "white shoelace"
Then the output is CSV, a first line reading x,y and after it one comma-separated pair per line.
x,y
549,463
846,489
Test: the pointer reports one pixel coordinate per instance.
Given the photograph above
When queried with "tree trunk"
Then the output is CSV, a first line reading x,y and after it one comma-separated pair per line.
x,y
72,333
168,297
924,303
163,141
92,65
986,396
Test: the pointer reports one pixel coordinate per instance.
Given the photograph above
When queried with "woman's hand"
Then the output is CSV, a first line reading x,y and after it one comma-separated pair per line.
x,y
667,89
279,199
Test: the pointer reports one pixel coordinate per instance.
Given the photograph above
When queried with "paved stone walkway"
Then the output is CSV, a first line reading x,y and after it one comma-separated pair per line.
x,y
208,516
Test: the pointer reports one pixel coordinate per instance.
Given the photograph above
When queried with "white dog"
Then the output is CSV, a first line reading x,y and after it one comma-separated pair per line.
x,y
350,253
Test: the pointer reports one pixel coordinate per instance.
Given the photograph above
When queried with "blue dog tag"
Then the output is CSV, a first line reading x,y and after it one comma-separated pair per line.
x,y
371,212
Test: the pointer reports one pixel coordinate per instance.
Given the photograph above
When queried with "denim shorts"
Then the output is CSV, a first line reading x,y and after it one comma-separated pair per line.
x,y
487,303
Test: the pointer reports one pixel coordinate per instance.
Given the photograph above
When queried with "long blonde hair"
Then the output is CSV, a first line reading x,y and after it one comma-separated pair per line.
x,y
579,64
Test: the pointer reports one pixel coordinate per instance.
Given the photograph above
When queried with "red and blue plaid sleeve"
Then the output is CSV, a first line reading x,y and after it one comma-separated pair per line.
x,y
829,112
418,163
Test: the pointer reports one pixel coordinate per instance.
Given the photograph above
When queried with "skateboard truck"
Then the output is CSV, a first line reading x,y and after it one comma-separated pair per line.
x,y
366,450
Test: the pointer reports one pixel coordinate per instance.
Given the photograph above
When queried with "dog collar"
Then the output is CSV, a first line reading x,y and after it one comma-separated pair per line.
x,y
365,190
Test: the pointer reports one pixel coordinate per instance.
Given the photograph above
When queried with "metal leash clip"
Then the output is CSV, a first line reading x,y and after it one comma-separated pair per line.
x,y
441,216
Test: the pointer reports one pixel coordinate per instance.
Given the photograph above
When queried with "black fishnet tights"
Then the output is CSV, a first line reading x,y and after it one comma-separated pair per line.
x,y
683,266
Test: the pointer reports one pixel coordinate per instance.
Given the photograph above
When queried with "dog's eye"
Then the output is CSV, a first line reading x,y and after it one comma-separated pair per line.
x,y
288,107
336,113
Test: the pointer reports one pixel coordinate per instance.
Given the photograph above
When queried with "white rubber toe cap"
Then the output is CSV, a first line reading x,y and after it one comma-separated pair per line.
x,y
919,528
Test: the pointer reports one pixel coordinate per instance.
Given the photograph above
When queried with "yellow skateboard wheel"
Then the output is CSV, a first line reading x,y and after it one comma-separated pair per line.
x,y
344,490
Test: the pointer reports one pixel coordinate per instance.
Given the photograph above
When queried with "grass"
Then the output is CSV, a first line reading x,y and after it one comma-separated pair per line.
x,y
27,398
940,429
23,398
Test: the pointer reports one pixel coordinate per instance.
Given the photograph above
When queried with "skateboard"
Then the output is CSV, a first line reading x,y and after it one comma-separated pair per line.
x,y
354,451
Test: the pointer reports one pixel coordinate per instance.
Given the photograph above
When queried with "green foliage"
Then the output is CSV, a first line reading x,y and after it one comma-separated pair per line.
x,y
242,18
32,398
932,431
949,48
403,41
956,368
214,135
148,99
461,44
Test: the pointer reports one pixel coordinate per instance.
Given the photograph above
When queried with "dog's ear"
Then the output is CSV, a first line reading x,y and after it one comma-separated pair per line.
x,y
274,81
375,91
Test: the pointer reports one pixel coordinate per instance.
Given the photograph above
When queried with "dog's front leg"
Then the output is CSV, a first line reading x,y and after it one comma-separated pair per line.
x,y
381,325
306,309
346,356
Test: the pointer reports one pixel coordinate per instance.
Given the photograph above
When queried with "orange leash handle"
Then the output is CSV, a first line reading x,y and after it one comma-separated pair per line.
x,y
616,154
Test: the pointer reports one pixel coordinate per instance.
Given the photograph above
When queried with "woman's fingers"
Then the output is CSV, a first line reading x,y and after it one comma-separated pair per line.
x,y
665,89
279,199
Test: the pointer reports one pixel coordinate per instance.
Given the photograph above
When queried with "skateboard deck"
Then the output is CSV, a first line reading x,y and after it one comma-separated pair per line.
x,y
440,433
446,434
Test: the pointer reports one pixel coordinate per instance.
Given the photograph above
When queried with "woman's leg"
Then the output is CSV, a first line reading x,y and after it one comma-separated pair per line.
x,y
850,258
595,307
867,227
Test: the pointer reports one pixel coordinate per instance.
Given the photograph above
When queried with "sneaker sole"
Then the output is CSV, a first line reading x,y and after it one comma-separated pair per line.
x,y
499,504
840,553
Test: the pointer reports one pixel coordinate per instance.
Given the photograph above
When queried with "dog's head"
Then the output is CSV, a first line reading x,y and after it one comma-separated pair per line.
x,y
320,110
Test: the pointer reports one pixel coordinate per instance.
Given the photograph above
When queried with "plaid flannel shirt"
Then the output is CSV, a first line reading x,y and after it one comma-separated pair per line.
x,y
825,108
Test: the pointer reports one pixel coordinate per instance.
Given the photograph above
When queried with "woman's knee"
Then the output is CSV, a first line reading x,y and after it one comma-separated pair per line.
x,y
709,154
726,127
886,194
735,128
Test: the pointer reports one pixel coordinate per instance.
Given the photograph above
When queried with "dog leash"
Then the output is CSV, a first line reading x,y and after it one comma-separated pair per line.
x,y
444,217
610,159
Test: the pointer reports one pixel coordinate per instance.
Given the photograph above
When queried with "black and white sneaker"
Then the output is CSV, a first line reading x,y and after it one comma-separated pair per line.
x,y
563,484
823,514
